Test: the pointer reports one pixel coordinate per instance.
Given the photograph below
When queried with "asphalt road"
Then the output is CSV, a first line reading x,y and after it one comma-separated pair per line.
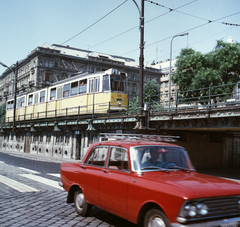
x,y
30,195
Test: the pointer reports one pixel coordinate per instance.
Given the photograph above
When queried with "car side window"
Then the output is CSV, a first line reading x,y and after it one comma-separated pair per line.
x,y
118,159
98,156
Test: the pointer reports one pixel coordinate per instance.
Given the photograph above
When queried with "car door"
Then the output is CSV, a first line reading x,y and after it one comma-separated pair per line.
x,y
92,169
114,182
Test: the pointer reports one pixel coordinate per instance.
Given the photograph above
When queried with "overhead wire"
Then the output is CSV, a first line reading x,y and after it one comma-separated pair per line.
x,y
94,22
122,33
208,22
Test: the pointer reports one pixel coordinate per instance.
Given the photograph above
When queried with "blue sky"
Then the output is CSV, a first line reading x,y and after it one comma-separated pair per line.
x,y
26,24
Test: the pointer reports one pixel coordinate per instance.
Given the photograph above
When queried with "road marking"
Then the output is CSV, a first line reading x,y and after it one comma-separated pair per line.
x,y
29,170
17,185
2,162
54,174
42,180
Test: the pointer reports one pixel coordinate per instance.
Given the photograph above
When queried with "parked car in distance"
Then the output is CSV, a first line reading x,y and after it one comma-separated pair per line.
x,y
151,183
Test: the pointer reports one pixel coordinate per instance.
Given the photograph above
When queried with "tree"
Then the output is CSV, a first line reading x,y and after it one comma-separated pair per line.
x,y
218,67
151,90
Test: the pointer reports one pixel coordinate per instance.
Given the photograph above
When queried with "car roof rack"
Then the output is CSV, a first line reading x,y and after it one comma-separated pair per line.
x,y
138,137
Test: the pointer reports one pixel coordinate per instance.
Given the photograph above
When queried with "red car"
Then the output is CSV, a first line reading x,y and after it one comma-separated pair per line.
x,y
149,183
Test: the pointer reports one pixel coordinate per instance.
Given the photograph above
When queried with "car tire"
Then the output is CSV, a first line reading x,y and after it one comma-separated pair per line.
x,y
82,207
155,218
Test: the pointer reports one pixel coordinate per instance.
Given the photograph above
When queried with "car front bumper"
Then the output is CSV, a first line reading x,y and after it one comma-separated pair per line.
x,y
226,222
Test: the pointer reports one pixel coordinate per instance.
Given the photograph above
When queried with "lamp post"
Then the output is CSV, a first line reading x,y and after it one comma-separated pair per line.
x,y
170,69
15,93
141,57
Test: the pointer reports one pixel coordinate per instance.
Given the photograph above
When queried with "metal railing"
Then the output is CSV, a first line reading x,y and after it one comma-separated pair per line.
x,y
198,99
203,98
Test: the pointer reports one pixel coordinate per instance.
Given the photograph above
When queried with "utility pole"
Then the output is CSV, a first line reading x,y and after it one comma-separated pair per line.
x,y
141,59
15,98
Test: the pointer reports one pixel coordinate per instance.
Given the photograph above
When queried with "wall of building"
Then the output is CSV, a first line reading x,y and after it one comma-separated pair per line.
x,y
206,151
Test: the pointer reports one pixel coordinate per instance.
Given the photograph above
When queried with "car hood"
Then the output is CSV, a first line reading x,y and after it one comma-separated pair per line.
x,y
196,185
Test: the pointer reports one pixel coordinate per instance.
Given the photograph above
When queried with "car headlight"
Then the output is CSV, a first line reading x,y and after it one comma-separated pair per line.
x,y
239,204
119,103
202,209
192,210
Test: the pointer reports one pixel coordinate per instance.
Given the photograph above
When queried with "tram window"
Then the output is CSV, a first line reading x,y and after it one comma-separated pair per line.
x,y
22,102
90,86
117,83
36,98
97,84
10,105
74,88
83,86
53,94
18,102
66,90
105,83
30,100
94,86
42,96
59,92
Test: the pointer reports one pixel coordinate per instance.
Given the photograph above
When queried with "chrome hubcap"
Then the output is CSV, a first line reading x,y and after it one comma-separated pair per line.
x,y
80,200
156,221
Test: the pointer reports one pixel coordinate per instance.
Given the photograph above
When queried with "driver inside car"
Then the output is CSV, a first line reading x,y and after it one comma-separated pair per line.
x,y
153,161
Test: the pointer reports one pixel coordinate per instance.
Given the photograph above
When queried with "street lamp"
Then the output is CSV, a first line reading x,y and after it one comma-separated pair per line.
x,y
170,69
15,94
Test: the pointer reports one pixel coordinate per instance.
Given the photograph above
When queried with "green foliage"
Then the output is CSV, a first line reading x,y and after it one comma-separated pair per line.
x,y
150,90
218,67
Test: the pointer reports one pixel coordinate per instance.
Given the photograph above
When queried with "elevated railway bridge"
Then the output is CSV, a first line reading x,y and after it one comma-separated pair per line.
x,y
210,132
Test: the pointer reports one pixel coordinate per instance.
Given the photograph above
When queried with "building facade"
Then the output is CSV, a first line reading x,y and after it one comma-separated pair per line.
x,y
48,64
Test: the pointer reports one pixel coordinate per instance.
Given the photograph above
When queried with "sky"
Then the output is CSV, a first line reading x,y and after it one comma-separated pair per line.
x,y
112,26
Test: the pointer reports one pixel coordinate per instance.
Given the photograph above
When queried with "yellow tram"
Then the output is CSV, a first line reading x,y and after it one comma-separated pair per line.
x,y
87,93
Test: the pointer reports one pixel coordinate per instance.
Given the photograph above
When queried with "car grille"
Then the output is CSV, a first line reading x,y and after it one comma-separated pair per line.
x,y
226,206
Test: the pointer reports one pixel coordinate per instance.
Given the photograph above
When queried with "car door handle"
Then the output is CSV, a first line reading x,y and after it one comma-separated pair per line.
x,y
82,166
105,171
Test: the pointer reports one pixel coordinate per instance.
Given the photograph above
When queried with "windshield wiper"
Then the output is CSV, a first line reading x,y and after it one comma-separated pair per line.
x,y
151,167
181,168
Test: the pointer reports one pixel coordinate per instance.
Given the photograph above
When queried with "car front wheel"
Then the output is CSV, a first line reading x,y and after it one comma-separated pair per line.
x,y
155,218
82,207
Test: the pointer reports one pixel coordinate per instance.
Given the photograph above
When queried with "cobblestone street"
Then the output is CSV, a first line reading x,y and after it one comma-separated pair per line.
x,y
40,201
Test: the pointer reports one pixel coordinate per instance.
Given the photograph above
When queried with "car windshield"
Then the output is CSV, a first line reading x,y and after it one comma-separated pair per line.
x,y
152,158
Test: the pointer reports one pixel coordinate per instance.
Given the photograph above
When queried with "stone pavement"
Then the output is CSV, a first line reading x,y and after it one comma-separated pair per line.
x,y
48,206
